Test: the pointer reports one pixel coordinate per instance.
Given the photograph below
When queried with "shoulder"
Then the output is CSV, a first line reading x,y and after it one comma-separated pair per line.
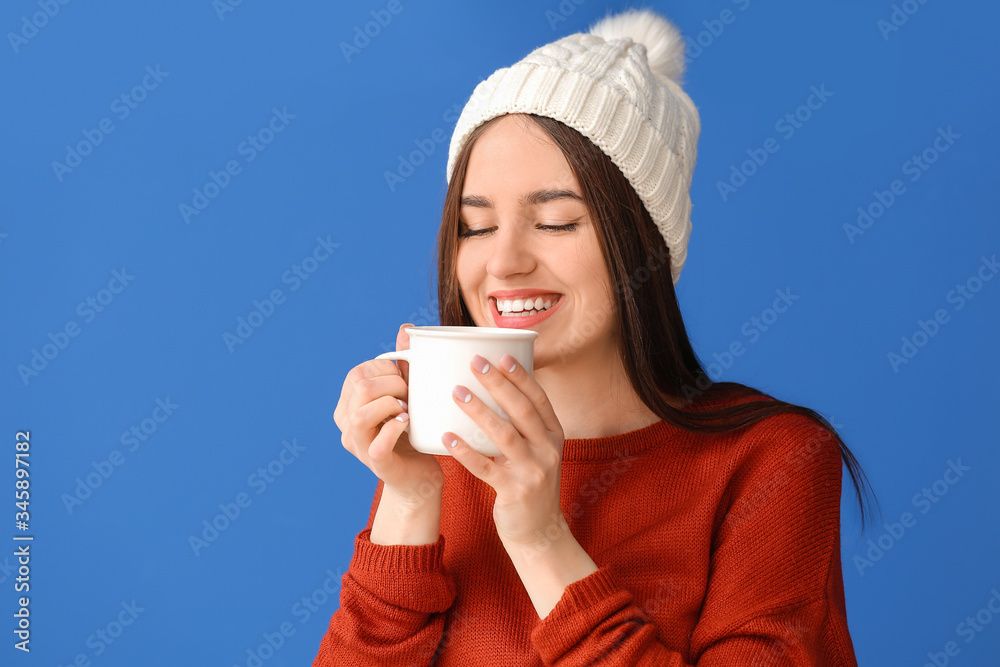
x,y
792,442
780,436
786,461
790,462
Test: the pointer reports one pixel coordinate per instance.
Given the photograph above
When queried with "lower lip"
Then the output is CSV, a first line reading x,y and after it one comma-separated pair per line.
x,y
522,322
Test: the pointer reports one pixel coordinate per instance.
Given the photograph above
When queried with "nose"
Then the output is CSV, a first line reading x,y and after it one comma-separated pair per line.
x,y
511,253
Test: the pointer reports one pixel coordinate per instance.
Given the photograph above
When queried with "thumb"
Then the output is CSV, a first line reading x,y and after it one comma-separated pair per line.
x,y
403,343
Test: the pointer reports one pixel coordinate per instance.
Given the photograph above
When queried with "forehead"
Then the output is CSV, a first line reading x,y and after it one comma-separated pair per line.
x,y
515,154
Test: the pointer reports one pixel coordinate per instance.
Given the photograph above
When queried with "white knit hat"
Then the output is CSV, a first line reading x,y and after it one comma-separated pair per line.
x,y
619,86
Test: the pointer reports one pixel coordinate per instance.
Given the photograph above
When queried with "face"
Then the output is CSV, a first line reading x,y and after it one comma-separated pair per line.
x,y
528,253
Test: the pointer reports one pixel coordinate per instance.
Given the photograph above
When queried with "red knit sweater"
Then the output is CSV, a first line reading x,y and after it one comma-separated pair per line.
x,y
713,550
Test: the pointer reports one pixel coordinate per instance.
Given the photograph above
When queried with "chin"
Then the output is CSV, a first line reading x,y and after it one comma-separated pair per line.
x,y
544,356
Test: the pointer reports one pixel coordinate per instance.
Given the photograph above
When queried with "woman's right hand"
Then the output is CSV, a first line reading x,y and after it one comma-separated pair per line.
x,y
367,412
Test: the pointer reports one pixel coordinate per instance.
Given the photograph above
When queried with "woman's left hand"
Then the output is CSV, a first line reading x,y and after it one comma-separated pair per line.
x,y
526,476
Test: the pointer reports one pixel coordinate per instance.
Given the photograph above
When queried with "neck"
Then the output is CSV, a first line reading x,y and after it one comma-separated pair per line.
x,y
592,396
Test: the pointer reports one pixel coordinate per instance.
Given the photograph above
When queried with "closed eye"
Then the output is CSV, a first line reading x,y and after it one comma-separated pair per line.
x,y
469,233
566,228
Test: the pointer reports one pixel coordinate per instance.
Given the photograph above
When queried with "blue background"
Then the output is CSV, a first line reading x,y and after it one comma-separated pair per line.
x,y
350,119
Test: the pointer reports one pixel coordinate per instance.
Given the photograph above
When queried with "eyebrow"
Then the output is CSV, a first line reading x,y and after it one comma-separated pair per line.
x,y
530,199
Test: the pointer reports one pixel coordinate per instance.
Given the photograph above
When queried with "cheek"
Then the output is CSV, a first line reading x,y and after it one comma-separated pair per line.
x,y
594,280
470,264
462,268
467,273
593,265
584,256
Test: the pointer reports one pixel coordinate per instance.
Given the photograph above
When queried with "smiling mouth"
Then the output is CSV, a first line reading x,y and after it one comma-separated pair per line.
x,y
525,307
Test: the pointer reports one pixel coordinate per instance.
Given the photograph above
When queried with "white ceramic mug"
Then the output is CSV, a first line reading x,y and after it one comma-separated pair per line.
x,y
439,359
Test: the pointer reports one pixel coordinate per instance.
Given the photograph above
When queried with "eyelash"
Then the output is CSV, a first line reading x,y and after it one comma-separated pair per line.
x,y
471,233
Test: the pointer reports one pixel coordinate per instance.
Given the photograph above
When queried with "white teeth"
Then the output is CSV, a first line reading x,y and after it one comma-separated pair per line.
x,y
523,307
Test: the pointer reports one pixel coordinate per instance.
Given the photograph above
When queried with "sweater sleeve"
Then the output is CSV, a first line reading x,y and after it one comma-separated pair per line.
x,y
393,601
596,623
775,589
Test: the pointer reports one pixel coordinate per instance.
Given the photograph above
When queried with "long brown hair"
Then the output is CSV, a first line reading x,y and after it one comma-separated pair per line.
x,y
656,353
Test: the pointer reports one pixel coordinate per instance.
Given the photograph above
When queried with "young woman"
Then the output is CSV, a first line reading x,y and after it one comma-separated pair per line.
x,y
641,514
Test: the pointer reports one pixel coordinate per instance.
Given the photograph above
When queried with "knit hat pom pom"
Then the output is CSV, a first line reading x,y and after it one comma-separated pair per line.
x,y
663,41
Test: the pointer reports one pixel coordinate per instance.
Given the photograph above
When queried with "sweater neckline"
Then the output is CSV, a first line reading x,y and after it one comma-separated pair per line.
x,y
610,447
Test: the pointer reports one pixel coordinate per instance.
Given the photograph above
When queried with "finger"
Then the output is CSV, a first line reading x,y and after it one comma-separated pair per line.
x,y
357,380
477,464
341,413
376,386
525,382
403,343
380,451
519,408
374,399
499,430
375,368
382,410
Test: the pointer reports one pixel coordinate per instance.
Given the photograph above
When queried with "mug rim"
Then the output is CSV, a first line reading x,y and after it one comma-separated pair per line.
x,y
471,332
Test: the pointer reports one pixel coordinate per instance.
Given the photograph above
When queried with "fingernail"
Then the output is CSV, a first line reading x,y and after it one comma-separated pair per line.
x,y
402,403
453,444
509,363
402,417
462,394
480,364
